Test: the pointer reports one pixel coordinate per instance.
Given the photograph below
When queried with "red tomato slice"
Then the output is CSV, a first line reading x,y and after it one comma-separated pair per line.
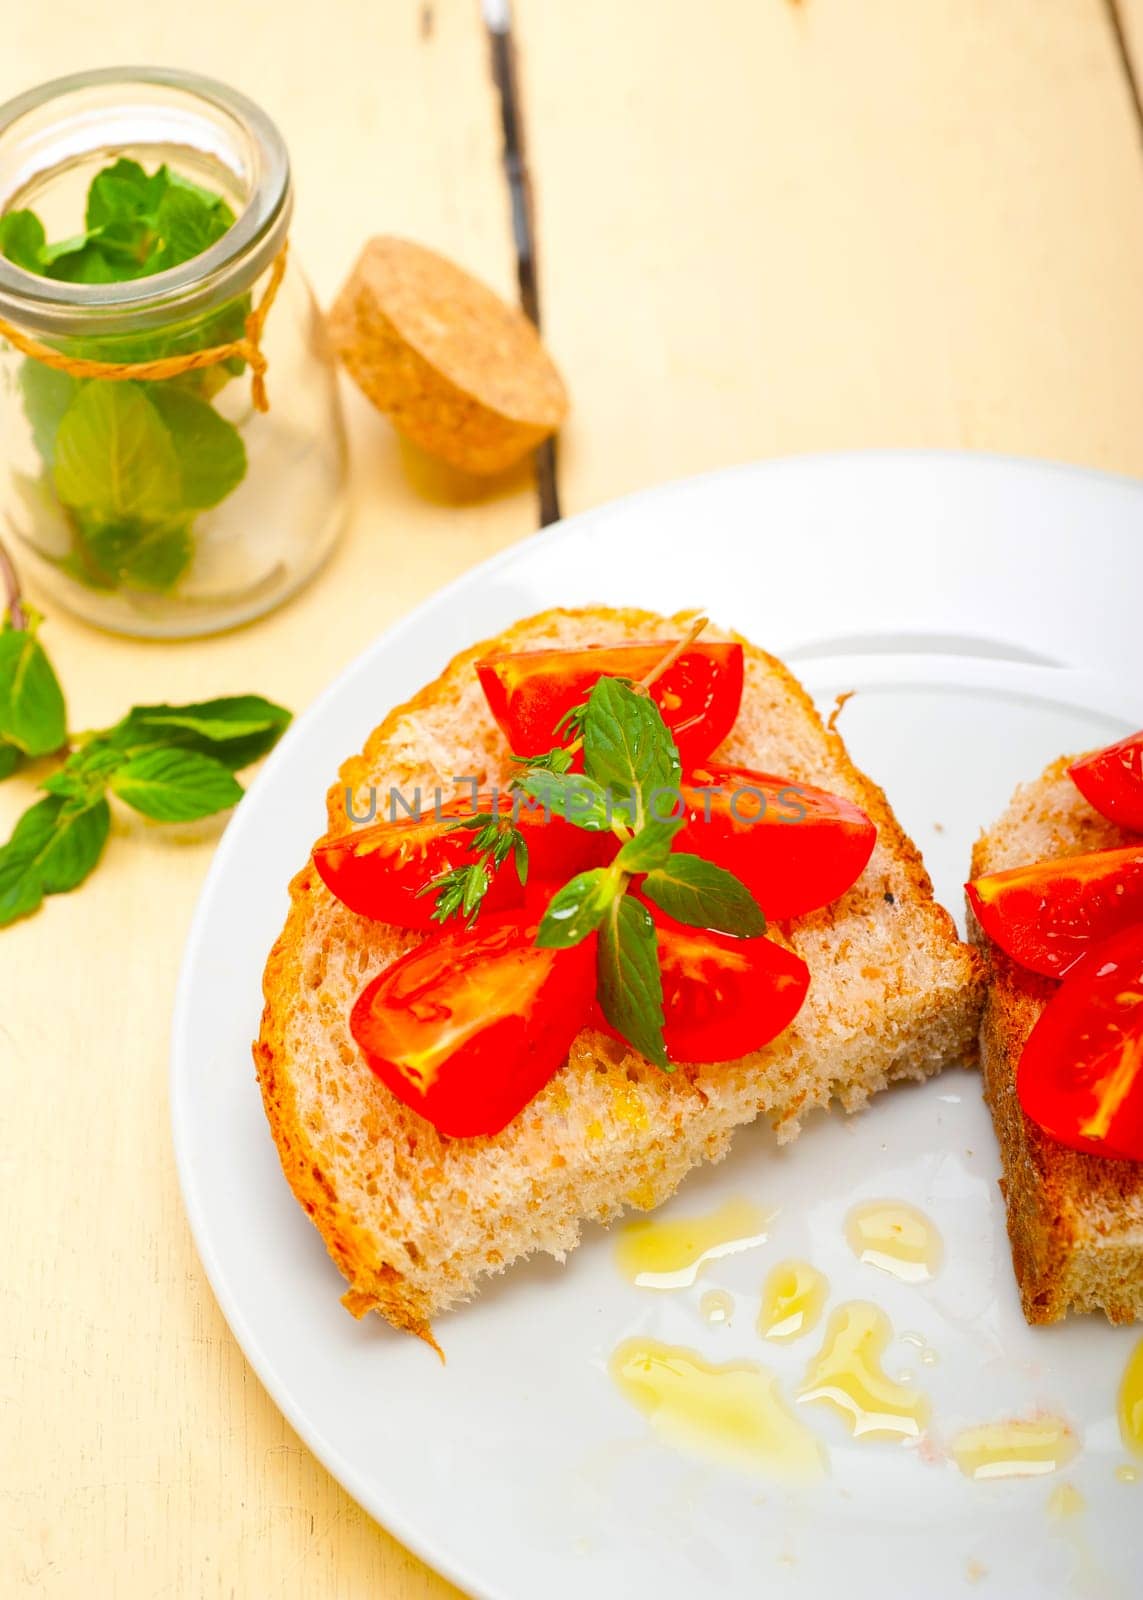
x,y
1081,1072
1048,915
1112,781
468,1028
377,870
698,695
796,847
722,997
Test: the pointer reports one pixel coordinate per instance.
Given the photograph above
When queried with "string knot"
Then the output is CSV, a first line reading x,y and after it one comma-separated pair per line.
x,y
248,349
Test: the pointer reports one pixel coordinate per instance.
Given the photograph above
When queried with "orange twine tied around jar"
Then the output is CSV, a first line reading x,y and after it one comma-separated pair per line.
x,y
248,349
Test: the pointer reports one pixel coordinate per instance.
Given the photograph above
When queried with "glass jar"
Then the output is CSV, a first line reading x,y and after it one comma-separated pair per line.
x,y
168,504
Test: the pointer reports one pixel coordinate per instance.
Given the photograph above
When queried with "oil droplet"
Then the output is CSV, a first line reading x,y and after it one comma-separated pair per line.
x,y
847,1374
1127,1474
1014,1449
793,1299
670,1255
895,1237
1065,1500
733,1413
927,1356
716,1306
1131,1402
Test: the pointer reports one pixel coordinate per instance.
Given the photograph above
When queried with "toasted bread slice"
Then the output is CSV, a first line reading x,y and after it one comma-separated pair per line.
x,y
414,1219
1075,1221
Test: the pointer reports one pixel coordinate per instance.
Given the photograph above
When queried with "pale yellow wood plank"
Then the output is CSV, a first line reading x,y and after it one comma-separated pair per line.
x,y
769,228
1130,17
141,1456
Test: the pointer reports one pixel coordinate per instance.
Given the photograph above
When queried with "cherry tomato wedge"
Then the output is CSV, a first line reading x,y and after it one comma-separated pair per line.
x,y
377,870
531,691
1112,781
796,847
1046,916
1081,1072
722,997
468,1028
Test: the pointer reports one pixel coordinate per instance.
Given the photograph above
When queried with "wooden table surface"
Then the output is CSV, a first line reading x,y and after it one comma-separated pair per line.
x,y
763,227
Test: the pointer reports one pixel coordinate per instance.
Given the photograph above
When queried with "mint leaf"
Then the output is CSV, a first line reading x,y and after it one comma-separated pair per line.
x,y
123,192
74,847
175,785
569,795
188,221
32,712
627,746
21,886
650,847
705,896
46,395
114,456
53,848
236,729
210,451
630,986
84,262
9,759
144,555
138,225
22,240
116,468
177,181
577,909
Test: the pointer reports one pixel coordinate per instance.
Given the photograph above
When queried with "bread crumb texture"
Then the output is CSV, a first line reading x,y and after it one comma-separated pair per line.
x,y
1075,1221
415,1220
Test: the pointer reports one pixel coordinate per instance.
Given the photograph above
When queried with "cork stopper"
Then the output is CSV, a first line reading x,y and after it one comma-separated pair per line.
x,y
457,370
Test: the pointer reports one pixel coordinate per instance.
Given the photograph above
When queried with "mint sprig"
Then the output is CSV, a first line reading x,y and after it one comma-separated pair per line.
x,y
629,753
630,786
135,225
169,763
132,464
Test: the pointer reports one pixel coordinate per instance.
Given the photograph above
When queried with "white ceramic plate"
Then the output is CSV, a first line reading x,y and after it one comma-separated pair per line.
x,y
986,611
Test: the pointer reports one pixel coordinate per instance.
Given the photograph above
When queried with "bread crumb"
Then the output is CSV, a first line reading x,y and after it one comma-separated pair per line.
x,y
838,707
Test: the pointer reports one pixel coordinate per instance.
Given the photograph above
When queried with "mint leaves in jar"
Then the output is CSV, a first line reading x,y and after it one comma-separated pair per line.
x,y
132,464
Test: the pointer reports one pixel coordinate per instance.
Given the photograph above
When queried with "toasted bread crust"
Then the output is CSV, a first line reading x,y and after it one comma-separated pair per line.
x,y
1075,1221
924,1031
